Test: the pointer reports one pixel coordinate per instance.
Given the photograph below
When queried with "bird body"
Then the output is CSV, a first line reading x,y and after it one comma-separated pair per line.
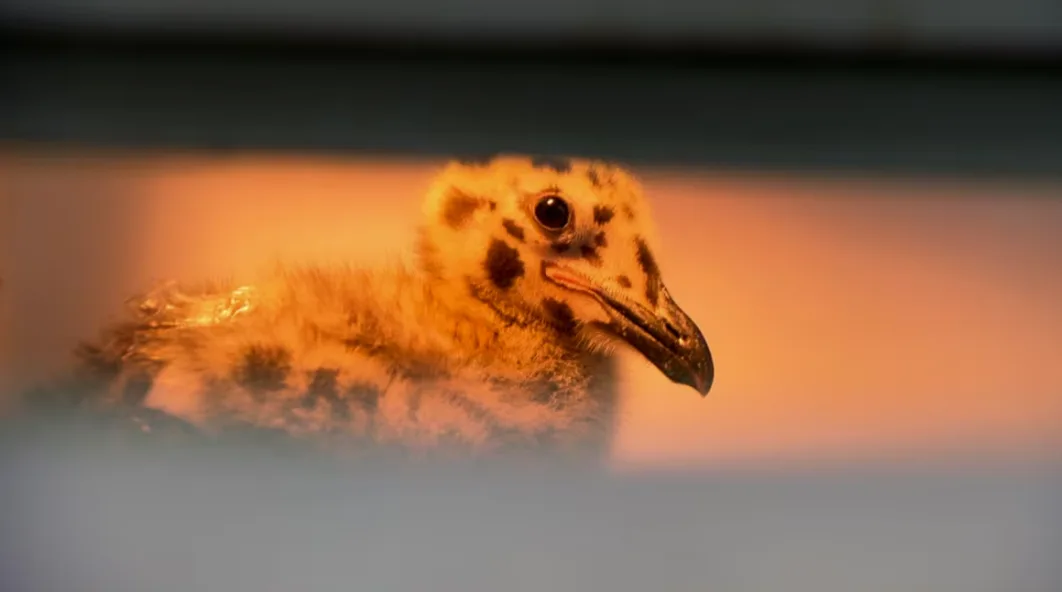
x,y
499,336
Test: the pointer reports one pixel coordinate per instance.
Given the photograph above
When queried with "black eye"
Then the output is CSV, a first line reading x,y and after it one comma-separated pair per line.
x,y
552,212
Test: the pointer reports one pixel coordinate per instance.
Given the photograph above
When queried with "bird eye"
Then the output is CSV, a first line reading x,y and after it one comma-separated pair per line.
x,y
552,212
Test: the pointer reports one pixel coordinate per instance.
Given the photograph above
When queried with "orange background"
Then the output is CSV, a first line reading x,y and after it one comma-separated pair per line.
x,y
851,318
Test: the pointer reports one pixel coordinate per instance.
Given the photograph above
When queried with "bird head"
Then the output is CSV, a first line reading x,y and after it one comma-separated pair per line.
x,y
564,242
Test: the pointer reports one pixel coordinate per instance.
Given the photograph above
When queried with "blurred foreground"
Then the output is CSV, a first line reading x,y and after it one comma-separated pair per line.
x,y
83,514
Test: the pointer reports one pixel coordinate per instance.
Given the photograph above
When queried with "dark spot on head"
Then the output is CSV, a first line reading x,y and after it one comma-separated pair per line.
x,y
503,264
628,211
645,257
263,368
513,229
594,178
606,176
600,239
561,246
560,314
477,160
652,271
623,281
602,214
590,254
459,208
560,165
493,205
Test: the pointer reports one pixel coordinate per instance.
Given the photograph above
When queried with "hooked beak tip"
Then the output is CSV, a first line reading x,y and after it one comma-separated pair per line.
x,y
703,386
702,381
696,368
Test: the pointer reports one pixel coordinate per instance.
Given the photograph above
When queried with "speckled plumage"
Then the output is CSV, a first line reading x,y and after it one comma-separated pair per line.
x,y
480,345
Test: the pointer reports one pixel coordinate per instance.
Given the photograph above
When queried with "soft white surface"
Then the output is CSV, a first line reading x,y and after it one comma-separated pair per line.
x,y
82,519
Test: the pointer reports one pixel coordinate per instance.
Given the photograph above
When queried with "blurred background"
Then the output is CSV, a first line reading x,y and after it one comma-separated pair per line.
x,y
987,26
861,204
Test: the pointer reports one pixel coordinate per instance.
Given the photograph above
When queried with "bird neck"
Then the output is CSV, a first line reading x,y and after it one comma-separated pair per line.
x,y
493,333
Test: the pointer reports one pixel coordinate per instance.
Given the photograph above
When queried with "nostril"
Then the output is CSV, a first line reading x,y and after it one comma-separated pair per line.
x,y
672,330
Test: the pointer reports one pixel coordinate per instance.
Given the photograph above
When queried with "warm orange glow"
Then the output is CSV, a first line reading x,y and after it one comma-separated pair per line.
x,y
200,311
849,318
7,220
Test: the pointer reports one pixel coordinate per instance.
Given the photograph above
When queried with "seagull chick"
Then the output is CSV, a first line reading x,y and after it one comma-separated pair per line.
x,y
529,273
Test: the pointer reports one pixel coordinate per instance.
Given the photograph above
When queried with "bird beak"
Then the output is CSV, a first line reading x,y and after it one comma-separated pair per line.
x,y
667,337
